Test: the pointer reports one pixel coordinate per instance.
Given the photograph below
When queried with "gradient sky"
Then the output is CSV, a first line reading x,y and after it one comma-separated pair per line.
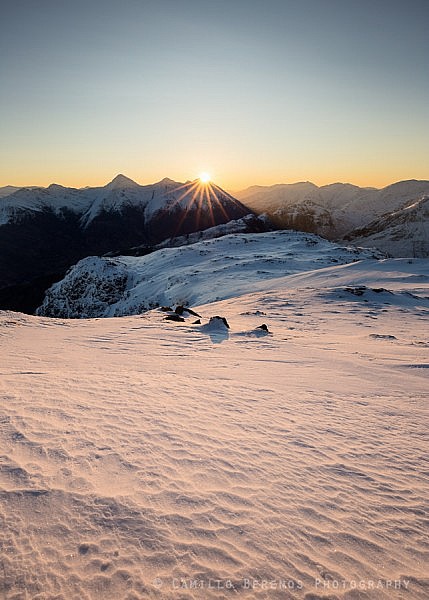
x,y
252,91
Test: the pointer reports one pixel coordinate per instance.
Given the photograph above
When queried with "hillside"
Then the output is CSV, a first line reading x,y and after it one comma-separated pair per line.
x,y
193,274
404,232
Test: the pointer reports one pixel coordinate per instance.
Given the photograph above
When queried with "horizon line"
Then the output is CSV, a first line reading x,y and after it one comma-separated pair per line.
x,y
229,188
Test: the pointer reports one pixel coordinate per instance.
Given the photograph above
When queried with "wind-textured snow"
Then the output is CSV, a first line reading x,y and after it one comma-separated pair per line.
x,y
142,458
194,274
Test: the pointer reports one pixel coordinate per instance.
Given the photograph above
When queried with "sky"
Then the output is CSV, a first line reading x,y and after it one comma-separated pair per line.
x,y
250,91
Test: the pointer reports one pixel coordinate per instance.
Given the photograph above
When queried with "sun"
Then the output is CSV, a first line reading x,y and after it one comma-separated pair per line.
x,y
204,177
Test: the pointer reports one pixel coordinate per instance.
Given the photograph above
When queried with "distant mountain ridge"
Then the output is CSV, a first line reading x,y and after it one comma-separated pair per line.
x,y
43,231
343,211
7,190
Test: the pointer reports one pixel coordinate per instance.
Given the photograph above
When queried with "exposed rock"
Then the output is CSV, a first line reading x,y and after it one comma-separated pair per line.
x,y
356,291
174,317
217,320
181,309
104,281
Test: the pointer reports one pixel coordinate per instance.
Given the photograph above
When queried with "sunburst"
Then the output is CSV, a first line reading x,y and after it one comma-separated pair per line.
x,y
199,194
205,177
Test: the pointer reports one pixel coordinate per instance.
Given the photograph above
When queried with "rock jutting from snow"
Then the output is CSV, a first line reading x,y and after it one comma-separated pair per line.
x,y
174,317
216,324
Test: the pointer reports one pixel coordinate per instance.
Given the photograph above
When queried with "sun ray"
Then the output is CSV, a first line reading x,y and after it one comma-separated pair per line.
x,y
209,204
231,198
218,204
194,188
190,188
200,201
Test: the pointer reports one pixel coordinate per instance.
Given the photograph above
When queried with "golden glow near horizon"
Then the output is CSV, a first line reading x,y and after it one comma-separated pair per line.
x,y
205,177
258,96
228,180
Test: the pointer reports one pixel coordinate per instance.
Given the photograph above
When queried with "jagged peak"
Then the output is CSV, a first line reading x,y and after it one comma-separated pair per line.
x,y
121,182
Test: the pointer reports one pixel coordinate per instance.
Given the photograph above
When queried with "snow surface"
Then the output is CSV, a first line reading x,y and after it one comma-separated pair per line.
x,y
198,273
7,190
348,203
401,233
142,458
34,200
244,225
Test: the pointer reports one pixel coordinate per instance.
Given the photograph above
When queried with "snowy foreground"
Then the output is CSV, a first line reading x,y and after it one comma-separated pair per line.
x,y
142,458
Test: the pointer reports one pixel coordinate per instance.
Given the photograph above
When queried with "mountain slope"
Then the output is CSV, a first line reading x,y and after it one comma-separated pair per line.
x,y
404,232
166,196
7,190
198,273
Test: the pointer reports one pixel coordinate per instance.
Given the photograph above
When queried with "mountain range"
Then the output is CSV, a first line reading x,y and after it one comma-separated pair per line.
x,y
45,231
394,219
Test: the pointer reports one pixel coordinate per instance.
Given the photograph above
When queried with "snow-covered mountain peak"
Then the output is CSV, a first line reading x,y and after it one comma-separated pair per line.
x,y
7,190
121,182
168,181
199,202
56,187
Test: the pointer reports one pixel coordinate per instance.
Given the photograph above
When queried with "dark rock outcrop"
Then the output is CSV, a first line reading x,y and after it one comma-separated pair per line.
x,y
174,317
181,309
